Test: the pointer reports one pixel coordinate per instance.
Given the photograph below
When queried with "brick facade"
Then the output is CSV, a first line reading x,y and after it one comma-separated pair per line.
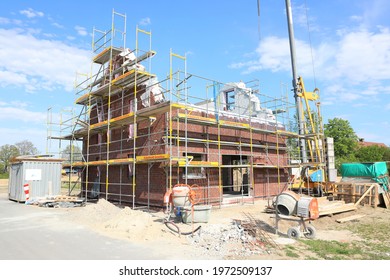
x,y
152,178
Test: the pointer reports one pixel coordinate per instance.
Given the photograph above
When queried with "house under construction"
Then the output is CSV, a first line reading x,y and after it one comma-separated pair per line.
x,y
141,134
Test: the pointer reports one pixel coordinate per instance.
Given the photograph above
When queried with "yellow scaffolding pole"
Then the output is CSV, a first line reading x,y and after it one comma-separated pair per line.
x,y
171,56
135,136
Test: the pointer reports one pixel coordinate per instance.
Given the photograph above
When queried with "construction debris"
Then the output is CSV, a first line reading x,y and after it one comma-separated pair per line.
x,y
60,201
242,238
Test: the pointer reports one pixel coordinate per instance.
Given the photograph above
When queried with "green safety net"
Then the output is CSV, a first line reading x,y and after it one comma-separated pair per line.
x,y
375,170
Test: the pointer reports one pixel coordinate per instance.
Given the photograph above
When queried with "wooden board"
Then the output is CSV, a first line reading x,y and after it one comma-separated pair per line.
x,y
350,218
386,200
337,208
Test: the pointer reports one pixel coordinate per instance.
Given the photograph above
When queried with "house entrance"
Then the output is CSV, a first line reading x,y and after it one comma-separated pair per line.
x,y
235,175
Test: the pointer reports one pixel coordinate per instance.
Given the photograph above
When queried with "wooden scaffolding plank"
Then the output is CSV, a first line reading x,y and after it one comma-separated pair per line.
x,y
105,55
199,164
152,158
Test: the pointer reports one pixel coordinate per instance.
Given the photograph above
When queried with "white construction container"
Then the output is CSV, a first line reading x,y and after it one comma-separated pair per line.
x,y
40,176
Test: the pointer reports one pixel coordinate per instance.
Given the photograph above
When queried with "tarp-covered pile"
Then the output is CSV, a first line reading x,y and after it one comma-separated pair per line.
x,y
376,171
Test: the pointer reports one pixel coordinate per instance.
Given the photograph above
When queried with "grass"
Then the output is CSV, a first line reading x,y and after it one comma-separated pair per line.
x,y
374,246
376,234
333,250
289,250
4,175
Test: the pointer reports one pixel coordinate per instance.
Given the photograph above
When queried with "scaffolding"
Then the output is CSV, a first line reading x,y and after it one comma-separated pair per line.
x,y
140,136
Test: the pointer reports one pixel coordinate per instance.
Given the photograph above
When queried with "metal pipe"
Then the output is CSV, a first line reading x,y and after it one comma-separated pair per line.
x,y
298,103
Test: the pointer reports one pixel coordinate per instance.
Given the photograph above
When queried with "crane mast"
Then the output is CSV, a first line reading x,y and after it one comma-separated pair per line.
x,y
298,103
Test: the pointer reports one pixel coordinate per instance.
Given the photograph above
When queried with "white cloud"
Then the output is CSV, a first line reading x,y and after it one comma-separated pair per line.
x,y
36,64
4,20
56,24
81,30
356,18
301,17
273,54
145,21
362,56
31,13
373,10
356,64
8,78
21,114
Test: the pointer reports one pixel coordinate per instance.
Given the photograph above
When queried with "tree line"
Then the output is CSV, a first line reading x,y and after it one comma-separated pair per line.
x,y
26,147
8,152
346,144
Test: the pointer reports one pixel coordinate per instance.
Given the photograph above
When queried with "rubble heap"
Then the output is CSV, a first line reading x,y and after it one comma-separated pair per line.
x,y
229,241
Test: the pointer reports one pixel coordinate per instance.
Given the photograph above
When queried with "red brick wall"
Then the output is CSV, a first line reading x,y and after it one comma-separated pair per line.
x,y
151,140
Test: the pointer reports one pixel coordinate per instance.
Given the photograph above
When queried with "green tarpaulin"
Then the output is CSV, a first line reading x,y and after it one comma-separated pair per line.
x,y
376,170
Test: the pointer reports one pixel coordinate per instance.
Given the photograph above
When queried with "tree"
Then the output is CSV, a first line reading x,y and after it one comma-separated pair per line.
x,y
371,153
26,148
7,152
344,137
71,153
386,155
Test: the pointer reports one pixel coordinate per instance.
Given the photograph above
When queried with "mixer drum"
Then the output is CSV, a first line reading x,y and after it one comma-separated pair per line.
x,y
286,203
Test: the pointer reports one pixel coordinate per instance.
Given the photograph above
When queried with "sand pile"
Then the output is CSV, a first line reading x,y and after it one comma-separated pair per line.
x,y
133,222
121,222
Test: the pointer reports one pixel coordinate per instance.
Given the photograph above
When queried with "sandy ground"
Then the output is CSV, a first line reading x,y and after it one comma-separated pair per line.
x,y
222,237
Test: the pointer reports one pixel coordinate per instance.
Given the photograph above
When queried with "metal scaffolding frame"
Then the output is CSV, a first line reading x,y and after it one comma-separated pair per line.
x,y
230,145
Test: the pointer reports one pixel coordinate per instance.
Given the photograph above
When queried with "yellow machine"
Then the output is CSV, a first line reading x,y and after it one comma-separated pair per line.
x,y
311,177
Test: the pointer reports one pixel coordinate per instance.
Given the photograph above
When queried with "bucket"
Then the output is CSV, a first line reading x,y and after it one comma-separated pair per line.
x,y
201,214
180,195
286,203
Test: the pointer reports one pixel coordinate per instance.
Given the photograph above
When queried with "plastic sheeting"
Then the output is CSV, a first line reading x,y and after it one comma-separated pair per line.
x,y
372,170
153,93
376,170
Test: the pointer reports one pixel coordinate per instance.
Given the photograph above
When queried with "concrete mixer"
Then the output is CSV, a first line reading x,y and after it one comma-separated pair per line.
x,y
293,207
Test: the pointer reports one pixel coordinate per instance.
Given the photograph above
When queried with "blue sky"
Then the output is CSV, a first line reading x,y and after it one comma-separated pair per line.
x,y
44,43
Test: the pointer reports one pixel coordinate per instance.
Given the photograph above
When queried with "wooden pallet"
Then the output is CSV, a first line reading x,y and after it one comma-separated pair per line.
x,y
358,193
